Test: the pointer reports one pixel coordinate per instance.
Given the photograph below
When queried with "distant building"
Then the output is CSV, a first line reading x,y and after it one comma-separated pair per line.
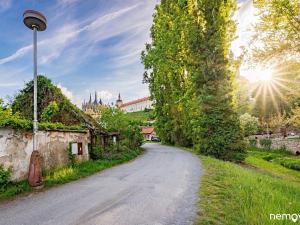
x,y
135,105
148,133
92,107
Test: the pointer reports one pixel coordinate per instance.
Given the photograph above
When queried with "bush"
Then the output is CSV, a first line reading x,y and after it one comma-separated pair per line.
x,y
253,142
49,111
265,143
4,178
96,153
249,124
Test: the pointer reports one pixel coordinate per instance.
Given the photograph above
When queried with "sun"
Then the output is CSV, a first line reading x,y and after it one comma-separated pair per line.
x,y
265,75
258,74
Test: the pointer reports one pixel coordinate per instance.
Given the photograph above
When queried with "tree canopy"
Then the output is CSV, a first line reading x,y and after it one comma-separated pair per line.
x,y
190,73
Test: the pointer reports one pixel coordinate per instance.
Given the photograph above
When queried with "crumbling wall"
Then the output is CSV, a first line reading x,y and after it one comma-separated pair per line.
x,y
16,147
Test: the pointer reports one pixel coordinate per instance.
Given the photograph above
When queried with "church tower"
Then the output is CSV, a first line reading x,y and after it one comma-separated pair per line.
x,y
119,101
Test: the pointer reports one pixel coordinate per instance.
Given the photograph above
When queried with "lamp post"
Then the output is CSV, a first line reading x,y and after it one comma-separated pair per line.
x,y
35,21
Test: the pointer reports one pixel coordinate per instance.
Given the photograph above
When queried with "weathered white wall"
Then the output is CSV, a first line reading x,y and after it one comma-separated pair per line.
x,y
16,149
140,106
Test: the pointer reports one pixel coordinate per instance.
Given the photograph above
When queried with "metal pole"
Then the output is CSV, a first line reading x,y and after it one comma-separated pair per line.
x,y
35,120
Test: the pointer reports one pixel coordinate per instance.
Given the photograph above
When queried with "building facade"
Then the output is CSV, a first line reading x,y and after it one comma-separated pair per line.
x,y
135,105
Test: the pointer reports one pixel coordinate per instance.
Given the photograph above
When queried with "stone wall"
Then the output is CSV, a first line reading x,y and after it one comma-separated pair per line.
x,y
291,144
16,148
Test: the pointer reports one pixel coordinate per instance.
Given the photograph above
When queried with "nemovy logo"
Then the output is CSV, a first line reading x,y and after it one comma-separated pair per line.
x,y
285,216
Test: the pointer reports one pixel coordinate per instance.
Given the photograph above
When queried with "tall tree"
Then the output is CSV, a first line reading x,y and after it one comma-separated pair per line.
x,y
217,131
190,75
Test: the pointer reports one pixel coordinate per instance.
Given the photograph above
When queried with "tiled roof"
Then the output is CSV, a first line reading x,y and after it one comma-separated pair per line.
x,y
147,130
135,101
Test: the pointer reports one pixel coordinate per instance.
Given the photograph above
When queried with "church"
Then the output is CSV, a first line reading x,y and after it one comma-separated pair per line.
x,y
92,106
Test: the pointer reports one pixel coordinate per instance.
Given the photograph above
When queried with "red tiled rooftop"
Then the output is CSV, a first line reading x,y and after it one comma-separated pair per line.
x,y
135,101
147,130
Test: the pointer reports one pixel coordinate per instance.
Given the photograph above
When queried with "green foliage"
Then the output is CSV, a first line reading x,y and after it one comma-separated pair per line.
x,y
96,153
49,112
71,156
13,120
295,118
142,116
249,124
62,111
4,178
266,143
277,31
190,76
115,120
59,126
253,142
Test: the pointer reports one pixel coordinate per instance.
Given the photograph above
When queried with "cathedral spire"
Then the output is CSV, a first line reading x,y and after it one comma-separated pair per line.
x,y
96,99
90,102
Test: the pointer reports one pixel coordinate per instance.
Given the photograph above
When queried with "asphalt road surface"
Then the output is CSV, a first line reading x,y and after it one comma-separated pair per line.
x,y
158,188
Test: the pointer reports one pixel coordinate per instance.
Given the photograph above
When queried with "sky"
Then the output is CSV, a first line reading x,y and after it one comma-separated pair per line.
x,y
88,46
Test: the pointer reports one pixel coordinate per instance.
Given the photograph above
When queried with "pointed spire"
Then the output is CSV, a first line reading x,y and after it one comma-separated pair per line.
x,y
119,97
96,99
100,102
90,102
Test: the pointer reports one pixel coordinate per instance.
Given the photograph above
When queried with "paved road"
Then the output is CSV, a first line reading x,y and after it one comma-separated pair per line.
x,y
158,188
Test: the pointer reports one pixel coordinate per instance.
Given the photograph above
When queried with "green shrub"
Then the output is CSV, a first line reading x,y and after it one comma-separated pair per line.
x,y
58,126
265,143
96,153
49,111
249,124
253,142
4,177
72,158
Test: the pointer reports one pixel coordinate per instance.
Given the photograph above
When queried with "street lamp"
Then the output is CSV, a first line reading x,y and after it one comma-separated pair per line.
x,y
35,21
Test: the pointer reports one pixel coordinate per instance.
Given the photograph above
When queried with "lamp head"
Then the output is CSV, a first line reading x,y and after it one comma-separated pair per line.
x,y
34,19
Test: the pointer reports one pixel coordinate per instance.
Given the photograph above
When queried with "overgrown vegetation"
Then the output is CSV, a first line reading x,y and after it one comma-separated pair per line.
x,y
247,194
55,111
190,74
128,130
4,178
266,143
280,157
249,124
53,106
143,117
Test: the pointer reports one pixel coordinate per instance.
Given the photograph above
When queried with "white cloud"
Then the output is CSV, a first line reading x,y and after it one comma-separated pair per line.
x,y
51,48
105,95
65,91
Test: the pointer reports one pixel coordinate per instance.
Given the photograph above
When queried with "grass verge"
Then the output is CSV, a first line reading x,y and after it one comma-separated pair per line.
x,y
247,194
68,174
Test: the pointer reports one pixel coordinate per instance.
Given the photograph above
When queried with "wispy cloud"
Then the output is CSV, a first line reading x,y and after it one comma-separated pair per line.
x,y
65,35
96,49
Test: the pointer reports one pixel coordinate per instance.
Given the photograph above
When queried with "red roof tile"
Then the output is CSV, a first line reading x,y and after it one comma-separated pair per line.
x,y
135,101
147,130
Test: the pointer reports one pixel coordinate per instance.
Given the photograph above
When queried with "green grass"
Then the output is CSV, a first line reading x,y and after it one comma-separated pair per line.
x,y
141,116
68,174
247,194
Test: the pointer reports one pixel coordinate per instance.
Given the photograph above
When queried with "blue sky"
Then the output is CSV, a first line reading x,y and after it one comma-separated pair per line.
x,y
89,45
